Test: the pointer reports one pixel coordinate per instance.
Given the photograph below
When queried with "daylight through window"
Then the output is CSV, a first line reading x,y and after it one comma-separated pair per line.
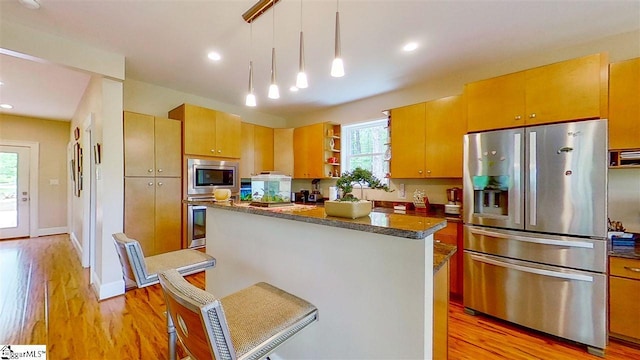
x,y
366,145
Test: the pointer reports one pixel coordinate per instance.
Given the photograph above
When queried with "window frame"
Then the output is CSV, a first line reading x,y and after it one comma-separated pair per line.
x,y
345,145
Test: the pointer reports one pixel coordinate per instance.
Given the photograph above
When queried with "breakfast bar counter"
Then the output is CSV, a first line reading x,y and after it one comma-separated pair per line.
x,y
371,278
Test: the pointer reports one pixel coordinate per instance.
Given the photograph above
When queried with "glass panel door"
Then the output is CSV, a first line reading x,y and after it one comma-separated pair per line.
x,y
14,191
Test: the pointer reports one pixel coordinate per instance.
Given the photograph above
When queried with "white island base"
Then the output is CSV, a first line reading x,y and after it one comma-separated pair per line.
x,y
374,292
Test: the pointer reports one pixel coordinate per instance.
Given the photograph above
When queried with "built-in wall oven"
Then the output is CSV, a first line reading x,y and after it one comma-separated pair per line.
x,y
197,225
204,176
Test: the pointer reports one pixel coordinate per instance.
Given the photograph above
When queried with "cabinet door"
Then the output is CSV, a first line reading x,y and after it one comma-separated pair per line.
x,y
228,129
315,154
496,103
408,141
263,149
445,128
199,131
283,159
168,215
624,102
138,144
449,235
168,147
568,90
624,312
309,151
139,212
247,157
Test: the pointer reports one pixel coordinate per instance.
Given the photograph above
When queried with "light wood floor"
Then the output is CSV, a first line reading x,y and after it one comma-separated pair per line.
x,y
45,298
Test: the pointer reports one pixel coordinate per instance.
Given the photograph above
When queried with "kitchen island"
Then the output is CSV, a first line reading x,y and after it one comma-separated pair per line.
x,y
371,278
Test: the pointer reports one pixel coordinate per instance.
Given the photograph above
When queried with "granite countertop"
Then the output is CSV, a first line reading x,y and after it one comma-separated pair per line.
x,y
441,253
400,225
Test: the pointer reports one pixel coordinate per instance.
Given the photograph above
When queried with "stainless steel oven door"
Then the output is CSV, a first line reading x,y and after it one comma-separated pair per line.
x,y
568,303
196,226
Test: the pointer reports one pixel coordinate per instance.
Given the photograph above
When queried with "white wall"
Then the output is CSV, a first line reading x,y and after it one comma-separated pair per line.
x,y
156,100
103,98
624,197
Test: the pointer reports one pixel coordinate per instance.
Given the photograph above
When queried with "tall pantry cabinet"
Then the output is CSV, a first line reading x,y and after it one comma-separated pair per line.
x,y
153,182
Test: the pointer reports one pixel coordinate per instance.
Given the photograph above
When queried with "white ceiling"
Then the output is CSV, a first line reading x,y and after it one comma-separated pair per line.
x,y
166,43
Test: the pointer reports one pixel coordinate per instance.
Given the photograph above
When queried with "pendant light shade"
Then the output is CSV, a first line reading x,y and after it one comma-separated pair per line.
x,y
274,91
251,98
301,80
337,67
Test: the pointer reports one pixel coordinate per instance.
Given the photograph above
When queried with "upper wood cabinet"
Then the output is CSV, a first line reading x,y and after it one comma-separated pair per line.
x,y
257,150
283,159
408,141
426,139
308,151
445,128
152,146
569,90
624,105
209,132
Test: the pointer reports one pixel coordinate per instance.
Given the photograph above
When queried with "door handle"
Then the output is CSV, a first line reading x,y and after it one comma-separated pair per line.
x,y
25,199
533,178
555,274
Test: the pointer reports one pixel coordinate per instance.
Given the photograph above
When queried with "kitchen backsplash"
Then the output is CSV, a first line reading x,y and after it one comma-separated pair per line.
x,y
624,198
434,189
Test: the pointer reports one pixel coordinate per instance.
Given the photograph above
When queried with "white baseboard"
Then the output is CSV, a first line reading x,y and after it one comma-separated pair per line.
x,y
105,291
53,231
76,245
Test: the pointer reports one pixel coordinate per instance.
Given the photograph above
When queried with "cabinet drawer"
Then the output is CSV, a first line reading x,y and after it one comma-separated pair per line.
x,y
628,268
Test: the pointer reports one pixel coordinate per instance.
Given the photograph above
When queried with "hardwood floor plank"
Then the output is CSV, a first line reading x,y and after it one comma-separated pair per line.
x,y
62,312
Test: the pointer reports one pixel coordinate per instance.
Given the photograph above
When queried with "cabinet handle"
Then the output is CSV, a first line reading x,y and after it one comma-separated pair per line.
x,y
419,171
150,170
219,151
429,172
159,170
213,150
159,184
634,269
533,115
518,117
150,184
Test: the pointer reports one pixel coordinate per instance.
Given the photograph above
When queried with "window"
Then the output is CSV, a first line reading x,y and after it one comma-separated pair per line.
x,y
366,145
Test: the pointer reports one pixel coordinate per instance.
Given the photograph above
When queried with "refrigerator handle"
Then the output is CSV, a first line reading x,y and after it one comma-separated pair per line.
x,y
517,170
533,175
555,274
542,241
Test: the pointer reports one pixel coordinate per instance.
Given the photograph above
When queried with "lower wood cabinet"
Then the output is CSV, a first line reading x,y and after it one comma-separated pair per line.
x,y
441,312
624,289
152,213
452,235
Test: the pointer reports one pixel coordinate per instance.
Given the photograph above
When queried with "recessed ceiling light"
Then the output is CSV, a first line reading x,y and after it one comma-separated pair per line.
x,y
293,89
6,106
1,83
410,46
30,4
214,56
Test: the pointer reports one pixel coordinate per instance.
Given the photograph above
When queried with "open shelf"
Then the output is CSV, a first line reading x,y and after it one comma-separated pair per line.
x,y
621,159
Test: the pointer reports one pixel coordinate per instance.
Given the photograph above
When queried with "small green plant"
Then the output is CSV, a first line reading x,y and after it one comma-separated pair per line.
x,y
358,176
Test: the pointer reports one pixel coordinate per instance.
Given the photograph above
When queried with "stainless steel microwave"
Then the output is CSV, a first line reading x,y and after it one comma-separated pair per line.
x,y
205,176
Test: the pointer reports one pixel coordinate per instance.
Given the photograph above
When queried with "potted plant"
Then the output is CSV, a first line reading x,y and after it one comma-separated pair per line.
x,y
349,205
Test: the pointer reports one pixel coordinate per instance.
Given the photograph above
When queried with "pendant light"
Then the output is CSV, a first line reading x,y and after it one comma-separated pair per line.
x,y
274,91
301,80
337,67
251,98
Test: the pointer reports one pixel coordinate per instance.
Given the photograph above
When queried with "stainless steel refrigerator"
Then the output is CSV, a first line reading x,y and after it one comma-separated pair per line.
x,y
535,219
